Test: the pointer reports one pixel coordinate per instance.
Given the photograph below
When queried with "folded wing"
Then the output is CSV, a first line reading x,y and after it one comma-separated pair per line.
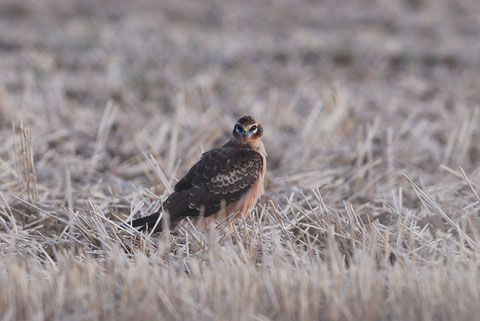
x,y
221,177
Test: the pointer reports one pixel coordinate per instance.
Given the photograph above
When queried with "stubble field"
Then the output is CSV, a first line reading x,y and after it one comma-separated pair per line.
x,y
371,117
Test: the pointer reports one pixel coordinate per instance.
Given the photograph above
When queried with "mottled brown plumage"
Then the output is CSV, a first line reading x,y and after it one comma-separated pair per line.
x,y
226,180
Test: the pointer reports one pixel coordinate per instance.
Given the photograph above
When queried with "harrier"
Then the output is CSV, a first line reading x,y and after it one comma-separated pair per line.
x,y
225,181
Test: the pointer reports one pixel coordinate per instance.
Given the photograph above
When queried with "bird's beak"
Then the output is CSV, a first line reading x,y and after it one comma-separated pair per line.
x,y
245,131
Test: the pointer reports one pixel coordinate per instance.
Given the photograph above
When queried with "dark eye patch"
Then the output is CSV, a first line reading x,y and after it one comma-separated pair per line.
x,y
253,128
238,128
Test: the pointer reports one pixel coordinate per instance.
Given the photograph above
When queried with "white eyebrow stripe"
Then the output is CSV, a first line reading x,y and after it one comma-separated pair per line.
x,y
249,127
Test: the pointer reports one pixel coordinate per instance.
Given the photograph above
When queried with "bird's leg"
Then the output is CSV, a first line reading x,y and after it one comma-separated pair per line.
x,y
232,217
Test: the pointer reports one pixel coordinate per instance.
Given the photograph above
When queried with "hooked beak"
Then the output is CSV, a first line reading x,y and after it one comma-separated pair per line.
x,y
245,131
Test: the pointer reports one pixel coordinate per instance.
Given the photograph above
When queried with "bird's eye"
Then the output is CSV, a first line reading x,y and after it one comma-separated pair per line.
x,y
254,128
238,128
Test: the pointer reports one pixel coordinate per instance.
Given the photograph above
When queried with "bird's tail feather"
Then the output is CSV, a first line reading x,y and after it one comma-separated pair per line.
x,y
148,223
174,209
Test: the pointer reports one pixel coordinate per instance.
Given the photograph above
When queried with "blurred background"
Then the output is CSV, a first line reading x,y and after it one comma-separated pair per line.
x,y
339,85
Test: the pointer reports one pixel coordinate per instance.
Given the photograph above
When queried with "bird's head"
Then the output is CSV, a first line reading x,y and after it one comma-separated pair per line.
x,y
247,129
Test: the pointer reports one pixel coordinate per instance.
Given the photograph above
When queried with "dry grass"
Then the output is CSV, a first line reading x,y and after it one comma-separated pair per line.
x,y
371,115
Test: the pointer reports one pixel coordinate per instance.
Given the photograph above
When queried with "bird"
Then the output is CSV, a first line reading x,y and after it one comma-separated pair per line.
x,y
227,180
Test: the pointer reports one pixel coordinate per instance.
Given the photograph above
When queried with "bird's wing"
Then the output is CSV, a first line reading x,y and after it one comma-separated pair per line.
x,y
220,177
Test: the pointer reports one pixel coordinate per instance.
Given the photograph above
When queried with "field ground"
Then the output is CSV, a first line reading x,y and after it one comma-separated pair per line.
x,y
371,115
